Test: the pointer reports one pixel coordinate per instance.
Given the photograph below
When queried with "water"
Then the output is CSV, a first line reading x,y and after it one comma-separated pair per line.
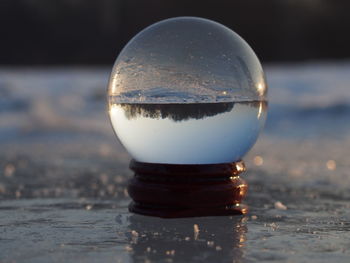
x,y
192,133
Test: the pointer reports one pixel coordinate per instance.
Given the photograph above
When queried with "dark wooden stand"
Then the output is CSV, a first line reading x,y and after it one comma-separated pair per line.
x,y
173,190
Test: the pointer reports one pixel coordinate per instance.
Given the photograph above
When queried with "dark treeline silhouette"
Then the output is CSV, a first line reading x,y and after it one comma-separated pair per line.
x,y
176,112
93,32
182,111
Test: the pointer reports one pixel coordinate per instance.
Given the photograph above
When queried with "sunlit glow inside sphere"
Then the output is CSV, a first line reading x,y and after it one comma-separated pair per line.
x,y
187,90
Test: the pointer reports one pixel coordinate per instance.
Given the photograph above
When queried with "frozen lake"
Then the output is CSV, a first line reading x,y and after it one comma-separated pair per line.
x,y
63,176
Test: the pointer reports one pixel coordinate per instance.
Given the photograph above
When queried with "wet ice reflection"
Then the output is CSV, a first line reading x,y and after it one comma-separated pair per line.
x,y
211,239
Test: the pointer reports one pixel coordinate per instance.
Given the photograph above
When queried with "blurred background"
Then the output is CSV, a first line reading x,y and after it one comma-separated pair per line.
x,y
60,32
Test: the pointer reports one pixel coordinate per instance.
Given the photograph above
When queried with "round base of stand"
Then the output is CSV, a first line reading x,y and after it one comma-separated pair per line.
x,y
174,190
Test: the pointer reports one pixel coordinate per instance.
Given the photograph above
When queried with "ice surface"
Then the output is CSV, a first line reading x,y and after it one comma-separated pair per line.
x,y
63,176
162,95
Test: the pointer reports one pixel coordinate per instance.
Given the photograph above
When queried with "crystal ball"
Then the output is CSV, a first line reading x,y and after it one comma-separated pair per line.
x,y
187,90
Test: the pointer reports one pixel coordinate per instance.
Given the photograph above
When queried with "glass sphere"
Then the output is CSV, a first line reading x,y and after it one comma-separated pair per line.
x,y
187,90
